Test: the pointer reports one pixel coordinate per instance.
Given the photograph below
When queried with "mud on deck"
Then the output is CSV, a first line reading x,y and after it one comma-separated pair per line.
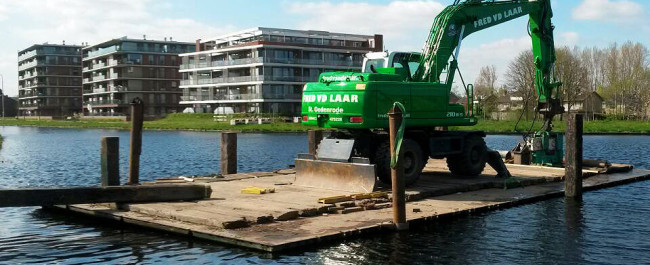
x,y
293,217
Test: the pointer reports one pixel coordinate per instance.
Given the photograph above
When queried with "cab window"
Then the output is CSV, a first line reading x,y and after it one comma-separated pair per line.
x,y
377,63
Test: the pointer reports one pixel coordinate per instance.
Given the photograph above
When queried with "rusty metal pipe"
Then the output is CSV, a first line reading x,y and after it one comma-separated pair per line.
x,y
397,174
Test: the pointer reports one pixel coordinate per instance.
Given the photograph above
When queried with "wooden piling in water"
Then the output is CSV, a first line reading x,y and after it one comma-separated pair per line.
x,y
397,173
110,161
228,153
315,137
573,166
137,117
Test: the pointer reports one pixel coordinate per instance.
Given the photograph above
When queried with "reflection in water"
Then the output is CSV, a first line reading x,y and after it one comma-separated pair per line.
x,y
574,223
608,227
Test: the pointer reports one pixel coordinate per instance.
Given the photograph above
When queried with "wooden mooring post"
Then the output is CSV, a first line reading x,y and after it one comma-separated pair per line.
x,y
228,153
573,167
110,161
137,118
314,137
397,173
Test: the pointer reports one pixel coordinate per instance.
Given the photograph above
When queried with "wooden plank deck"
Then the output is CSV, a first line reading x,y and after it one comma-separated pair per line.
x,y
292,217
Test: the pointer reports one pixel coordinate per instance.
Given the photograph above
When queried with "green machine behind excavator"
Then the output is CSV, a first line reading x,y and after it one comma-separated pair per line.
x,y
357,104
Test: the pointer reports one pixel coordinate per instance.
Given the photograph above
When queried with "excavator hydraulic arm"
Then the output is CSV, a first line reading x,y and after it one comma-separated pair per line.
x,y
460,20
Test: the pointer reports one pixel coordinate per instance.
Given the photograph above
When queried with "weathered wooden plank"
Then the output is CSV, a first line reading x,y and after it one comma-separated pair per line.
x,y
80,195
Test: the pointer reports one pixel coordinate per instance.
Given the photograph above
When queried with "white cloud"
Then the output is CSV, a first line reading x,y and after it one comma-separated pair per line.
x,y
34,21
404,24
624,11
569,38
498,53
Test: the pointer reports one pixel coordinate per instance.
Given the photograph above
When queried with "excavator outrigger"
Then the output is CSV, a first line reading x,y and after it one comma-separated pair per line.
x,y
357,104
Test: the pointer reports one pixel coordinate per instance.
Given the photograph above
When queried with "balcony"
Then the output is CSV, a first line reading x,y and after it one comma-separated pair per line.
x,y
205,96
251,96
28,94
241,79
100,78
103,51
282,96
33,53
106,89
28,65
36,105
27,55
103,102
245,61
34,63
284,78
32,74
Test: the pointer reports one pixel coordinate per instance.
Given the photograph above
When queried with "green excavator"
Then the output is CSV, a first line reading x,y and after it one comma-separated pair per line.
x,y
357,103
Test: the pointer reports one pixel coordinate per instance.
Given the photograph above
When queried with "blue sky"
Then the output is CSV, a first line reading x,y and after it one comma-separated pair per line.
x,y
405,24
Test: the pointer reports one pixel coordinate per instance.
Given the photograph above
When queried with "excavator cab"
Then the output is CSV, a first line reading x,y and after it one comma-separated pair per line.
x,y
408,61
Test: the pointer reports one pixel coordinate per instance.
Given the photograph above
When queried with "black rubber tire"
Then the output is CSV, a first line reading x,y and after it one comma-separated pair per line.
x,y
471,161
413,160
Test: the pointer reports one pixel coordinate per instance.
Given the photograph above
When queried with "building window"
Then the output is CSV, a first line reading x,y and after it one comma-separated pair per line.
x,y
315,41
134,58
336,42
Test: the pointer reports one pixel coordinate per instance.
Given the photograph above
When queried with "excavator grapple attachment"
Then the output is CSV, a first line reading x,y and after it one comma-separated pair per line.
x,y
333,168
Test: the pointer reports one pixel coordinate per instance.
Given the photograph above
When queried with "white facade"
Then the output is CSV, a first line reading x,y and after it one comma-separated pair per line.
x,y
263,70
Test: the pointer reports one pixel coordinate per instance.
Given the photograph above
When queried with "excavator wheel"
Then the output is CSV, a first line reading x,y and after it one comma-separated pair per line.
x,y
412,159
471,161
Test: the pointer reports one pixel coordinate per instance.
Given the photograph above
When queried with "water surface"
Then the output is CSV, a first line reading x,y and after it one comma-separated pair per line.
x,y
609,227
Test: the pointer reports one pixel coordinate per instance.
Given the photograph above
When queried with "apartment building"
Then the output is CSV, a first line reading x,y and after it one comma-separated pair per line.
x,y
49,80
263,70
119,70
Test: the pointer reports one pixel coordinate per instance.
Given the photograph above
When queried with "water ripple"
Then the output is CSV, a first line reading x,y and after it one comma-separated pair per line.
x,y
609,227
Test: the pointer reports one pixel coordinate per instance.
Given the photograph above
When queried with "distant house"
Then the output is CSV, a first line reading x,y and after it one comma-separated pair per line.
x,y
590,104
505,105
509,102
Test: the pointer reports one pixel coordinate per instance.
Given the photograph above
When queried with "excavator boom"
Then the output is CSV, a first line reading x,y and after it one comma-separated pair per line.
x,y
458,21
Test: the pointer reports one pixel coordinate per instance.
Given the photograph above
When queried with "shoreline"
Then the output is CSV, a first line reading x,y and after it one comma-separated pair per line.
x,y
206,123
273,130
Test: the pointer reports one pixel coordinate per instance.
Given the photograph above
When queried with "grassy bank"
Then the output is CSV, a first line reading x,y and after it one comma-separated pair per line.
x,y
204,122
198,122
590,127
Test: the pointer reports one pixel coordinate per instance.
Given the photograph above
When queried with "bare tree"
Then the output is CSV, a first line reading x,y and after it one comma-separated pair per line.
x,y
485,87
521,79
486,82
619,73
573,74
